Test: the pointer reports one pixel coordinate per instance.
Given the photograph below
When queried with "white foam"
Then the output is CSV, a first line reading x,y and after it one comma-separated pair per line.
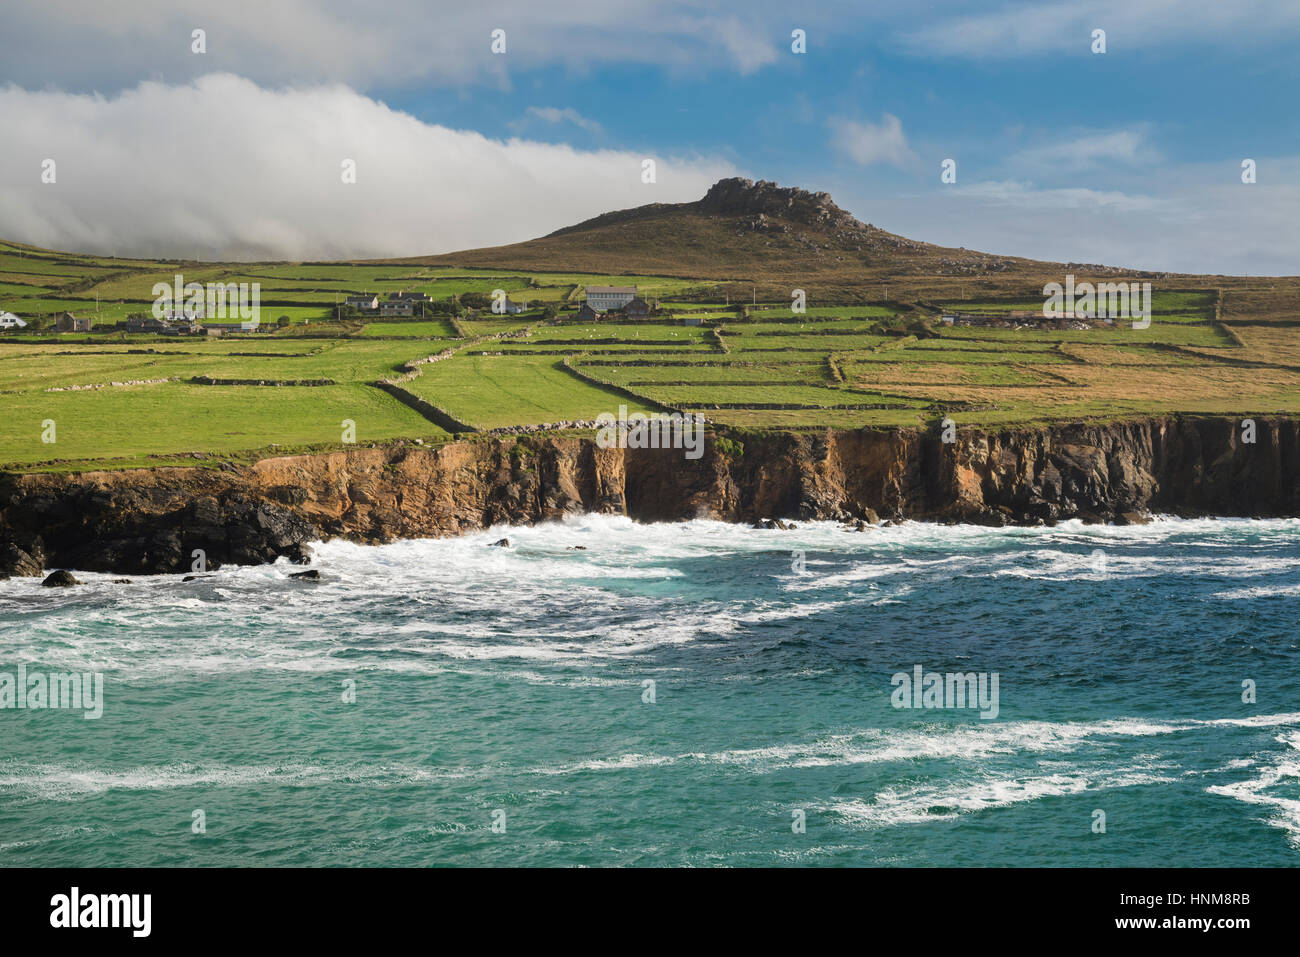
x,y
1257,591
891,807
1284,771
59,782
973,743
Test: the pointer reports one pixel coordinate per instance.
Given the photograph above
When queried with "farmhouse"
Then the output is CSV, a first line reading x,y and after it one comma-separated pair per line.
x,y
362,303
605,298
513,308
9,321
586,313
145,324
67,322
402,303
637,308
160,326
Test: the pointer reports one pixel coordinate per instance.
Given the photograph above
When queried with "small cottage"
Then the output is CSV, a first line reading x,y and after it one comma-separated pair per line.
x,y
67,322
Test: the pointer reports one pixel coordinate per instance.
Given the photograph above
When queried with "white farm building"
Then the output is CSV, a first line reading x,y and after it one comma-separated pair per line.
x,y
605,298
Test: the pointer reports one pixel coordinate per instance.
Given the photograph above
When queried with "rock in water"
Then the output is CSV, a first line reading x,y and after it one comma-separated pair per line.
x,y
310,575
300,554
60,579
1132,518
500,543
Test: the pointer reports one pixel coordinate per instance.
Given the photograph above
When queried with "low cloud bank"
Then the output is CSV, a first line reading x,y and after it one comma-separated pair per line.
x,y
223,168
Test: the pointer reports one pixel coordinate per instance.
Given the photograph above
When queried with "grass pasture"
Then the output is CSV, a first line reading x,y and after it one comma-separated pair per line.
x,y
1214,345
495,391
125,427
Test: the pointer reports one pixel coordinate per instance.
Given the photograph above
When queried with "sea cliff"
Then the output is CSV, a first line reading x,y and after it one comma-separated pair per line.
x,y
153,520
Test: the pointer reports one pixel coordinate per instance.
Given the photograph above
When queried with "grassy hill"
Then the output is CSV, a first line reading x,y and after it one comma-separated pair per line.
x,y
775,238
870,350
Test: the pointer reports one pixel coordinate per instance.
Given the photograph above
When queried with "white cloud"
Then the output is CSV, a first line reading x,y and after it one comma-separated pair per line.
x,y
79,45
1085,149
868,143
749,49
1037,29
224,168
1203,220
393,43
1010,193
555,116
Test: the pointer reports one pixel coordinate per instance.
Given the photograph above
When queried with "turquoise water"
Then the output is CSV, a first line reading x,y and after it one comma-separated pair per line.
x,y
513,680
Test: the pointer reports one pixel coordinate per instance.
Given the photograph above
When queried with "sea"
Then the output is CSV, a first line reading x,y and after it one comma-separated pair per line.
x,y
606,693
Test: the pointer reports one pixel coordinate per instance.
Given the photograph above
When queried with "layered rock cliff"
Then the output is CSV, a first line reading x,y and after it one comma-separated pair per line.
x,y
154,520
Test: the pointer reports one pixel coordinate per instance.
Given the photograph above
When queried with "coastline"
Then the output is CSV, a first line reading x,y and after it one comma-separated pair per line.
x,y
157,521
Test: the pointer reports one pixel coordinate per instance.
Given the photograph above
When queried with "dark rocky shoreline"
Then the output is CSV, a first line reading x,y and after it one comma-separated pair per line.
x,y
148,521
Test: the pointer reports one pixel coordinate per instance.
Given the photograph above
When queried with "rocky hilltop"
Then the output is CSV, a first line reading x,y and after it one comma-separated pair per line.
x,y
741,229
144,521
744,197
760,204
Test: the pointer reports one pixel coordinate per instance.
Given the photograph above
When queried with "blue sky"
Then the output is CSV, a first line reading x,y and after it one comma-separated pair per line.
x,y
978,109
1129,157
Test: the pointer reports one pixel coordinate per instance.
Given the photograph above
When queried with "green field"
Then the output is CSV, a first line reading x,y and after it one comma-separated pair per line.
x,y
125,427
494,391
881,364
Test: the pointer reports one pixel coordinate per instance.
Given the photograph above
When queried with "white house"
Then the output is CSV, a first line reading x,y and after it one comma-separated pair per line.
x,y
362,303
605,298
9,321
